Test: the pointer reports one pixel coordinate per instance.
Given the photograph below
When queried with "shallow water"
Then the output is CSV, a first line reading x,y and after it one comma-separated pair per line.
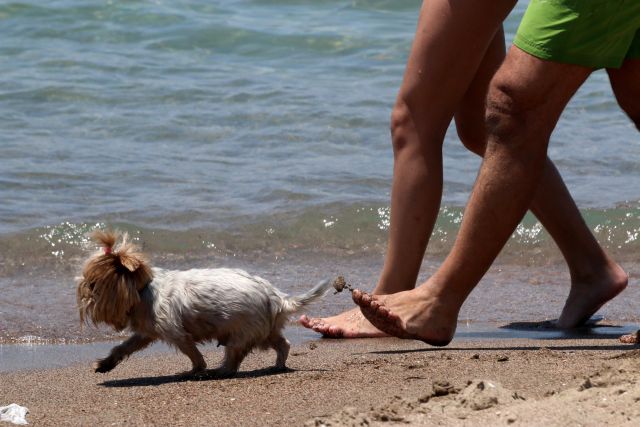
x,y
249,133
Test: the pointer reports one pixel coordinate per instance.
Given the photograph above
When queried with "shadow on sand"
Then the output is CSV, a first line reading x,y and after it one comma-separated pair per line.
x,y
209,375
594,329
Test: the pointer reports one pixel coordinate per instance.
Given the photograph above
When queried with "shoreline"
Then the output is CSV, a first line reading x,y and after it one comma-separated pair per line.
x,y
43,354
560,381
507,294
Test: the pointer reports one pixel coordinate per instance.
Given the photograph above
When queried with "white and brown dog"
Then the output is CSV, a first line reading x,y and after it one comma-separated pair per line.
x,y
182,308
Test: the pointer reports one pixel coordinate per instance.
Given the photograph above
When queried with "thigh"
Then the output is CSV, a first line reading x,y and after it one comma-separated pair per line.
x,y
451,40
470,112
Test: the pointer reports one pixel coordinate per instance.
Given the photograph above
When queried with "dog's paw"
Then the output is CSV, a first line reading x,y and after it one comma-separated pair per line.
x,y
104,365
199,372
280,369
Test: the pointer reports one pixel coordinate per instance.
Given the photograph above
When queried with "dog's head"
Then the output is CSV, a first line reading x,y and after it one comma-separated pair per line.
x,y
111,281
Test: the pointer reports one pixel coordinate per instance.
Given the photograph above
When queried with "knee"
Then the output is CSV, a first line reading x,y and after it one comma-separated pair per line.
x,y
505,119
414,130
401,126
514,128
404,134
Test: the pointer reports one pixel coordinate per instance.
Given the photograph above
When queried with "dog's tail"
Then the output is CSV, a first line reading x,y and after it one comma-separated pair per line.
x,y
295,303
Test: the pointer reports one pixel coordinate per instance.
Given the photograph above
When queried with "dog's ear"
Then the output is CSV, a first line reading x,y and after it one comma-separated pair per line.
x,y
131,263
130,257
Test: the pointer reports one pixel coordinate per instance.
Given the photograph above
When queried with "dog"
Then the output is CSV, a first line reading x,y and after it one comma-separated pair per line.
x,y
183,308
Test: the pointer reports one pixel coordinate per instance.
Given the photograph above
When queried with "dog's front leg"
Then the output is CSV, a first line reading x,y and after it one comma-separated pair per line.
x,y
122,351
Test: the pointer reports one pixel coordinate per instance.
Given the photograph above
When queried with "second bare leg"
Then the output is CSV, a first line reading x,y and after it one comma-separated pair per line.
x,y
525,101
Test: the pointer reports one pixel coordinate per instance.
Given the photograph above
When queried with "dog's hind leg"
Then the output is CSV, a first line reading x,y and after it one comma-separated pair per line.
x,y
281,346
233,357
197,361
122,351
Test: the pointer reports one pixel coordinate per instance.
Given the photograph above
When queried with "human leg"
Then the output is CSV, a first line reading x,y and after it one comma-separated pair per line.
x,y
625,82
556,30
583,299
525,101
433,87
588,35
595,277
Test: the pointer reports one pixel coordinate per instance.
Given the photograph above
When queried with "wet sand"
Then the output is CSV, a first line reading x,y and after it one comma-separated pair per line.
x,y
587,380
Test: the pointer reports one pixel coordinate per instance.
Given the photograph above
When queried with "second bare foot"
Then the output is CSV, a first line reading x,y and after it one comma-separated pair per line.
x,y
588,294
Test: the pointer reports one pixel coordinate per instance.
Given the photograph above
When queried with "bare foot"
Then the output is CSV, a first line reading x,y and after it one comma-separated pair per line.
x,y
410,315
588,295
350,324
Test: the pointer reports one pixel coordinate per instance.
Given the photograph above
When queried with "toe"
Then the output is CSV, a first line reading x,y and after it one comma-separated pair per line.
x,y
383,311
309,322
362,299
366,299
319,327
305,321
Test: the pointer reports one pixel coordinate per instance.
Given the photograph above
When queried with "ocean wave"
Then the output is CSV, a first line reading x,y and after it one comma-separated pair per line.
x,y
334,230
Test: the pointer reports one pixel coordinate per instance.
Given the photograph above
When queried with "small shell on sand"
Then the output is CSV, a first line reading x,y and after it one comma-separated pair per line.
x,y
340,284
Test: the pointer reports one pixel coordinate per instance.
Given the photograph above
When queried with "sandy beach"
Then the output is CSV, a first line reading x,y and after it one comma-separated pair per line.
x,y
593,380
255,135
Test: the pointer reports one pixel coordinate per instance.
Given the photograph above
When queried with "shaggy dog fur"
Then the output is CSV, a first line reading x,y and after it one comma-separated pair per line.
x,y
242,312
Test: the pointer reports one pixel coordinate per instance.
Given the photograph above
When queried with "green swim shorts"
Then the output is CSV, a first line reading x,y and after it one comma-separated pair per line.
x,y
591,33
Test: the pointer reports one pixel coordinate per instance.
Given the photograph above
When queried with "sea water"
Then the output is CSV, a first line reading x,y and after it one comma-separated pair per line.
x,y
254,134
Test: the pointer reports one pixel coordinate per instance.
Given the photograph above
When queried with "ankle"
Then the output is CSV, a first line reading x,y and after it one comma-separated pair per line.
x,y
607,271
391,286
440,296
